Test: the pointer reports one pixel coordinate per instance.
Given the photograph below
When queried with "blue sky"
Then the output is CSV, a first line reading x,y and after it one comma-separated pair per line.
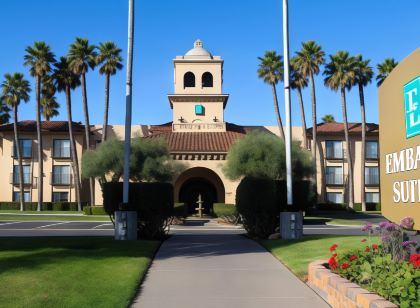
x,y
237,30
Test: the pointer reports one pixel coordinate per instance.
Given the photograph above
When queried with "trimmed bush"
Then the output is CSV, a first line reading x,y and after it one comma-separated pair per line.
x,y
94,210
180,210
342,207
153,203
46,206
223,209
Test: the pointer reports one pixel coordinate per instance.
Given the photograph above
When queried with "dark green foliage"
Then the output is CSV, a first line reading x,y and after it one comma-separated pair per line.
x,y
262,155
342,207
180,210
369,207
94,210
46,206
153,202
260,201
223,209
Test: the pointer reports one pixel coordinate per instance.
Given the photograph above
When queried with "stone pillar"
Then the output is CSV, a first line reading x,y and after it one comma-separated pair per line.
x,y
125,225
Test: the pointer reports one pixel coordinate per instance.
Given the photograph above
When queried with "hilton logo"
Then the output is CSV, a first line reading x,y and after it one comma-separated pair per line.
x,y
412,107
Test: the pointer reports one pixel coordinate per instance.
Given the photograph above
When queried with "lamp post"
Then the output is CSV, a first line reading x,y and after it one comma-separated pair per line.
x,y
290,222
126,220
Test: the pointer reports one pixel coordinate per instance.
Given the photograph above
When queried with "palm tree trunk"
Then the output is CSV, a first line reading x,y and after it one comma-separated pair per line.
x,y
19,156
302,115
87,134
277,111
105,126
39,138
349,158
74,159
363,180
314,136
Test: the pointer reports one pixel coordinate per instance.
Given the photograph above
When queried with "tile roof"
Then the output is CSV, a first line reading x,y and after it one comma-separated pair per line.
x,y
204,142
337,128
51,126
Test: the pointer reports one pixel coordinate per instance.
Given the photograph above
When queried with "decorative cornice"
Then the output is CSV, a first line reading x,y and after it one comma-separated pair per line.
x,y
199,156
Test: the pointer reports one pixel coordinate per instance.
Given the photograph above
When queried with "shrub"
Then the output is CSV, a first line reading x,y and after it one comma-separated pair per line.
x,y
152,201
180,210
46,206
223,209
94,210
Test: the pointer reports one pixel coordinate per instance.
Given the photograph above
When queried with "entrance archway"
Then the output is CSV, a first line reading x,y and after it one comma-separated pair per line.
x,y
199,181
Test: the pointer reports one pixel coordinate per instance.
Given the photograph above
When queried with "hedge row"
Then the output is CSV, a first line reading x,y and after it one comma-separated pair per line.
x,y
342,207
46,206
94,210
223,209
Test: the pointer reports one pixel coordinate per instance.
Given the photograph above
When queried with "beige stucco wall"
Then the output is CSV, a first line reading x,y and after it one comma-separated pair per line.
x,y
186,110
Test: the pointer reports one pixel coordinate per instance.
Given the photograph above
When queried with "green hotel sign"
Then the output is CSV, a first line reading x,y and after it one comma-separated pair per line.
x,y
412,107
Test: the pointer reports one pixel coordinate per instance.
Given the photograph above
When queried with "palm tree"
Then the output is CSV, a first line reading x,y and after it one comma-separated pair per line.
x,y
15,89
4,113
66,80
363,76
340,75
328,118
271,71
384,69
308,61
82,56
109,57
39,58
49,103
298,82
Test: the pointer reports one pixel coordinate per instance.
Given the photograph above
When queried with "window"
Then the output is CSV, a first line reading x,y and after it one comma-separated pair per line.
x,y
207,80
189,80
372,150
60,196
26,196
372,197
25,148
61,175
27,179
334,197
334,149
372,176
334,175
61,148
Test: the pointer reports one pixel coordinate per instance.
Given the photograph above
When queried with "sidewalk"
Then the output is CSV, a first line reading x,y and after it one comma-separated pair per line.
x,y
218,271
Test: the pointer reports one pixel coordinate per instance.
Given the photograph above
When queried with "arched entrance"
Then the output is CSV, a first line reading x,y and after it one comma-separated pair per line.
x,y
199,181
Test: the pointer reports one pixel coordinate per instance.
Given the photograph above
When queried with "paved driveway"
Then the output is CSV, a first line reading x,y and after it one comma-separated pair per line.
x,y
221,271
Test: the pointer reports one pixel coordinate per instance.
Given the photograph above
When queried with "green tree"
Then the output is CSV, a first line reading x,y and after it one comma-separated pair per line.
x,y
81,57
262,155
308,60
340,75
15,89
363,76
328,118
150,161
4,113
49,103
110,60
66,80
299,82
270,70
384,69
39,58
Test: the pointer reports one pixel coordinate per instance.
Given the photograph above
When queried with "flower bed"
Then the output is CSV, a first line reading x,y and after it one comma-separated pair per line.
x,y
390,268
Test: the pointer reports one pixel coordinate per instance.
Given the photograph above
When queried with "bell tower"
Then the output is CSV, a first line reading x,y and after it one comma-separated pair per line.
x,y
198,102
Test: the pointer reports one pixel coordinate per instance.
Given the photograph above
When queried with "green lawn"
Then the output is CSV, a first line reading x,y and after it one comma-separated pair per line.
x,y
71,272
52,217
297,254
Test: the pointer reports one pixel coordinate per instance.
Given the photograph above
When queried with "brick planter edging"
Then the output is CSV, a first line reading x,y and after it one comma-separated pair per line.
x,y
340,292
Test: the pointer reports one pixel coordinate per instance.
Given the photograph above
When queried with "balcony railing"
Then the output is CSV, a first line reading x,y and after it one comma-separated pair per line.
x,y
15,179
334,179
60,179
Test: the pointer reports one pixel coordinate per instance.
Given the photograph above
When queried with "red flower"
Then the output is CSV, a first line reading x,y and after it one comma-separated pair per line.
x,y
367,249
375,246
415,260
353,257
334,255
333,247
345,266
364,240
332,263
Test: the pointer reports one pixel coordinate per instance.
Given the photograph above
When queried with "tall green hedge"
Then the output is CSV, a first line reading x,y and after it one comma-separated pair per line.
x,y
223,209
153,202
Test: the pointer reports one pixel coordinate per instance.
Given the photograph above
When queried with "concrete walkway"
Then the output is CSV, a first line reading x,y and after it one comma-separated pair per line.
x,y
221,271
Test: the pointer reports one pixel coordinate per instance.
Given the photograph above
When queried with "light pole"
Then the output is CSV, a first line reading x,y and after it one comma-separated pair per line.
x,y
290,222
126,220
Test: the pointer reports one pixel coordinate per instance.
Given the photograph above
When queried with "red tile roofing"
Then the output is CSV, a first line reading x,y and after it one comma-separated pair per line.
x,y
337,128
204,142
52,126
